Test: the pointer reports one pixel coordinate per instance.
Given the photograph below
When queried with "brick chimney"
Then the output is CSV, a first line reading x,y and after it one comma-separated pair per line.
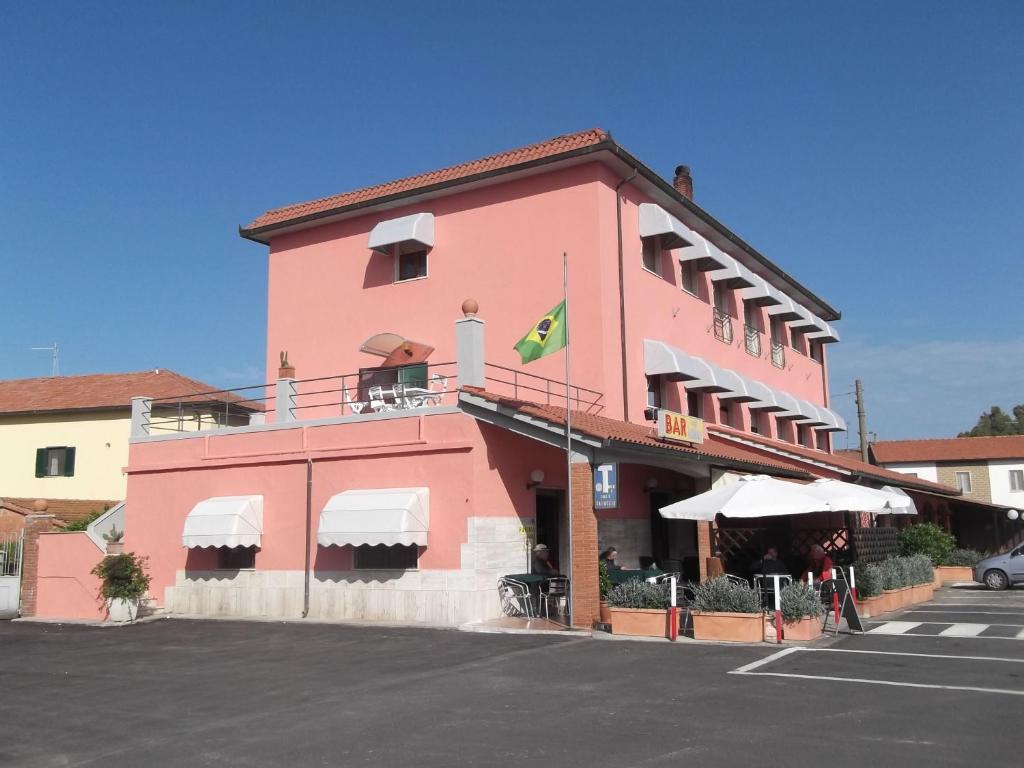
x,y
683,182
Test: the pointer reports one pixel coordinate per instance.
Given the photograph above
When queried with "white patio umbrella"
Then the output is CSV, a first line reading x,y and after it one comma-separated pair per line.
x,y
750,496
905,507
848,497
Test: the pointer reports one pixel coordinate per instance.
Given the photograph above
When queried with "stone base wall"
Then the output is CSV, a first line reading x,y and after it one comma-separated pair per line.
x,y
495,547
632,537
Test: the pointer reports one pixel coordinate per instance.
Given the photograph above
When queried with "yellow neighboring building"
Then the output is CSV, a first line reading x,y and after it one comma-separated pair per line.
x,y
66,437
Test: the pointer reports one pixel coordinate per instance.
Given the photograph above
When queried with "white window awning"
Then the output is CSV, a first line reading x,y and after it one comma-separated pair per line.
x,y
762,293
739,386
388,516
224,521
706,256
734,274
790,406
836,423
806,319
661,359
786,309
766,400
655,221
813,414
408,234
825,334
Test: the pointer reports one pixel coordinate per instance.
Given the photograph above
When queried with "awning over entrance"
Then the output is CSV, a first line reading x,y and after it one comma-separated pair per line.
x,y
389,516
225,521
749,496
655,221
408,234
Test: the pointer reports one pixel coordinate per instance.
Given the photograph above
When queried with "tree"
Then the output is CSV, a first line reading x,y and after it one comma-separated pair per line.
x,y
995,422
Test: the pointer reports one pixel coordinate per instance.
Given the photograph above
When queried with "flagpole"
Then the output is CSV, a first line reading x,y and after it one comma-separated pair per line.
x,y
568,433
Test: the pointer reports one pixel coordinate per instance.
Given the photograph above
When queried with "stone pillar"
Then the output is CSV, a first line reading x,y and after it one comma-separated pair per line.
x,y
284,400
586,594
35,524
141,409
469,346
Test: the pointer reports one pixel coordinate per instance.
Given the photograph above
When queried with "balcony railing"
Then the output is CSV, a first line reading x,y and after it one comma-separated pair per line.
x,y
527,386
752,340
778,355
723,325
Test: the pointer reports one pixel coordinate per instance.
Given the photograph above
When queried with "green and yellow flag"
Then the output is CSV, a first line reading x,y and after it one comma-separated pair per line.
x,y
546,336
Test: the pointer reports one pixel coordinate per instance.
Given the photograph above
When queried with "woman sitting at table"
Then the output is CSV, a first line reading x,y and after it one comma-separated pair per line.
x,y
820,564
608,558
542,561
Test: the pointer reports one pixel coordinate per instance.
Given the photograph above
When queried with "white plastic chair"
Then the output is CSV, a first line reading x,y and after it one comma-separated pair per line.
x,y
377,401
356,406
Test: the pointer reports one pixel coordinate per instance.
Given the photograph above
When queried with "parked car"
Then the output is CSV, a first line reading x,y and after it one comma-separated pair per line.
x,y
1000,571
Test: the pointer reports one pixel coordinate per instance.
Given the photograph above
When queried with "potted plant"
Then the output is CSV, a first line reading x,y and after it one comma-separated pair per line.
x,y
926,539
124,582
727,610
604,583
639,608
801,612
958,565
892,584
115,541
869,589
921,577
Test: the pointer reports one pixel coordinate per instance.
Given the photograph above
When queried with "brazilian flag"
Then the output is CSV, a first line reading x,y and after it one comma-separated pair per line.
x,y
546,336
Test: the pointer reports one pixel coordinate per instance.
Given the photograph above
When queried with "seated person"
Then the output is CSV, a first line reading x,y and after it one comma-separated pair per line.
x,y
608,558
820,564
770,563
542,561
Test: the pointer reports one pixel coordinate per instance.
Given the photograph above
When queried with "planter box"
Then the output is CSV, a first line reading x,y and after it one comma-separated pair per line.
x,y
807,628
950,574
730,627
869,606
904,597
889,600
605,613
645,622
122,611
921,593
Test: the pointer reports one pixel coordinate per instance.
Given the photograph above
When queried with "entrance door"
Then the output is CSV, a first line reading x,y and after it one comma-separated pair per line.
x,y
550,529
10,573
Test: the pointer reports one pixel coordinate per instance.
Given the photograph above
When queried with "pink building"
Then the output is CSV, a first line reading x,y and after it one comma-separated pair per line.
x,y
412,460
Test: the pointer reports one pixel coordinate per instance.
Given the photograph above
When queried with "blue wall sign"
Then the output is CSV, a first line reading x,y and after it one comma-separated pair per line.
x,y
606,486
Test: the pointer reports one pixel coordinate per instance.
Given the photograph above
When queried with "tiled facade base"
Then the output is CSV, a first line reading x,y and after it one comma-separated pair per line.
x,y
496,546
631,537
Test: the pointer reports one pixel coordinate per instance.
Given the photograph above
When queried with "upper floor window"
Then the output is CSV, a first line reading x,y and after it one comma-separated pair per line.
x,y
654,394
963,481
55,462
796,340
755,421
695,404
690,277
724,414
816,350
823,441
409,266
1017,479
805,436
652,254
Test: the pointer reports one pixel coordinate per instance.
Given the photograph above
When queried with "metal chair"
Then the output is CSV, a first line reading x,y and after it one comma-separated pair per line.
x,y
685,595
356,406
555,589
515,598
737,579
377,401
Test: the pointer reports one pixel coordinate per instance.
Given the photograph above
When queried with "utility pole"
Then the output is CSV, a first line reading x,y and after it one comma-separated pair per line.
x,y
861,420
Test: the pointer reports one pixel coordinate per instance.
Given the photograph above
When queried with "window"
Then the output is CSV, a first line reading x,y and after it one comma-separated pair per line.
x,y
804,436
654,386
236,558
1017,479
755,422
409,266
695,404
381,557
796,340
963,481
689,274
823,441
817,351
55,462
652,254
724,414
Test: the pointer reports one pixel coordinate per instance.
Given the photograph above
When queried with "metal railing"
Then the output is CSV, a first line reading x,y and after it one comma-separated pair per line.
x,y
752,340
213,409
778,354
538,389
723,325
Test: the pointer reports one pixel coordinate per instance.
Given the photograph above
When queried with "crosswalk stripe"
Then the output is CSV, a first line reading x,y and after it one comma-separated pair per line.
x,y
1020,635
894,627
964,630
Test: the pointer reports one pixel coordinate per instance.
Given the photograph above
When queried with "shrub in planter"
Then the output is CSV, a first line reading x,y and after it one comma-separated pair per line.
x,y
726,610
921,576
801,611
124,582
869,580
639,608
894,580
926,539
962,558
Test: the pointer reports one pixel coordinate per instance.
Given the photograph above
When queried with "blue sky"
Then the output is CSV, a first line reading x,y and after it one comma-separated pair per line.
x,y
873,150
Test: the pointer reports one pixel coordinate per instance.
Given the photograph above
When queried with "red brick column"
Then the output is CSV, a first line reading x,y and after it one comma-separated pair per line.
x,y
703,548
34,525
586,595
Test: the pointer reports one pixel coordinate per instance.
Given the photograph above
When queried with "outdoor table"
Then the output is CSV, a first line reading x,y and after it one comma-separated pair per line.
x,y
533,582
622,576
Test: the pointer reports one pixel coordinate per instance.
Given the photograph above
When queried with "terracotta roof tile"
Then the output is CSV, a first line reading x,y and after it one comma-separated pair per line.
x,y
103,390
67,510
604,428
949,449
842,460
503,160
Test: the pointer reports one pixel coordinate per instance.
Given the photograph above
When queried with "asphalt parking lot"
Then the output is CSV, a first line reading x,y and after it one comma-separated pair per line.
x,y
210,693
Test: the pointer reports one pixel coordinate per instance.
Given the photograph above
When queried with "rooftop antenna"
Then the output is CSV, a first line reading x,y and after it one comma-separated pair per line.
x,y
55,352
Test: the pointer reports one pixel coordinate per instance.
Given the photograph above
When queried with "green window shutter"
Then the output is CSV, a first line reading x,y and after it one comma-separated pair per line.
x,y
69,462
40,462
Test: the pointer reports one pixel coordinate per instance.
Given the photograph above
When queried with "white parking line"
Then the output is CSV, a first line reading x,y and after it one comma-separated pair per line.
x,y
894,627
1020,635
964,630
